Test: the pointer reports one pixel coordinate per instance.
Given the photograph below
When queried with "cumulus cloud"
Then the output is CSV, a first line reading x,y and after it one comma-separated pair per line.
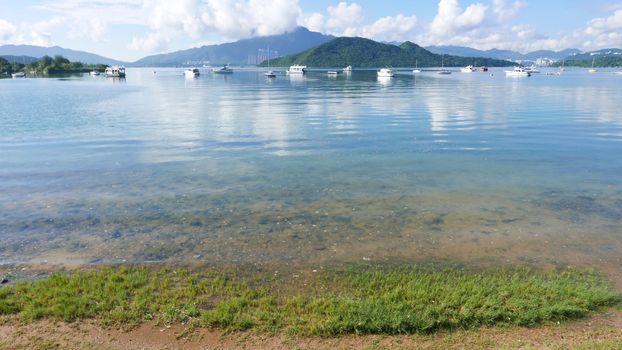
x,y
451,19
7,31
603,32
31,33
504,12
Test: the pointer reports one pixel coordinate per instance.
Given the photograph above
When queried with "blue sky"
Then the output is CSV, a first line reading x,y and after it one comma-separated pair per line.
x,y
130,29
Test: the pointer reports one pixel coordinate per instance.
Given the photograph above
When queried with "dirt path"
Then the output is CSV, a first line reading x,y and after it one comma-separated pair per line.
x,y
602,331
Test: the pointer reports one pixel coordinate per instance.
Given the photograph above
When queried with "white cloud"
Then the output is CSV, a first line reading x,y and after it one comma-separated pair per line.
x,y
451,19
7,31
505,13
30,33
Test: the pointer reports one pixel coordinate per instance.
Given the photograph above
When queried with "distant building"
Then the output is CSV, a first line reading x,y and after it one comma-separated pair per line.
x,y
545,61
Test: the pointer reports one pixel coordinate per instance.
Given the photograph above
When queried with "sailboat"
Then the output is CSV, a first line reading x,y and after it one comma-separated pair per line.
x,y
592,70
269,74
563,68
416,70
443,71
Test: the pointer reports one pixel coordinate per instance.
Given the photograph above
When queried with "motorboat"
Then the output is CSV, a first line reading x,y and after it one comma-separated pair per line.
x,y
385,73
348,69
192,72
517,72
332,73
297,69
483,69
115,72
18,75
532,69
468,69
223,70
94,73
269,74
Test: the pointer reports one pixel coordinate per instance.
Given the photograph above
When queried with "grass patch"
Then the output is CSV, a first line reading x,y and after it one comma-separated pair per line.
x,y
354,300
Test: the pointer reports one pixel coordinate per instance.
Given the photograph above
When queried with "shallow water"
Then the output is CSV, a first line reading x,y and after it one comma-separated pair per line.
x,y
235,169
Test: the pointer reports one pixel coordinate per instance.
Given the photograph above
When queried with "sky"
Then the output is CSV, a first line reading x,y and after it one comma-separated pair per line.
x,y
131,29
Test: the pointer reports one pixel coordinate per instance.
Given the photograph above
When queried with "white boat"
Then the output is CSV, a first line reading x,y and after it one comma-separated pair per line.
x,y
592,70
297,69
532,69
517,72
416,70
347,69
18,75
192,72
115,72
443,71
385,73
269,74
619,73
468,69
223,70
94,73
332,73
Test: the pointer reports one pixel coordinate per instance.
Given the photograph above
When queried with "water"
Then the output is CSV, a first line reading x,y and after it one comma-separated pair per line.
x,y
237,169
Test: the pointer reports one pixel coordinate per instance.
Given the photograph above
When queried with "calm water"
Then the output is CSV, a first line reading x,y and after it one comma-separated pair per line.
x,y
236,169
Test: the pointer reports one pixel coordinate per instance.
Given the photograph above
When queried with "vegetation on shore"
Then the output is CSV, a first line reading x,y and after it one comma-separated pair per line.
x,y
48,65
366,53
362,300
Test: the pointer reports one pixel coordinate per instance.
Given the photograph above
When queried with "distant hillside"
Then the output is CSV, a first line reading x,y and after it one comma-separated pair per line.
x,y
19,59
599,54
238,52
501,54
366,53
39,51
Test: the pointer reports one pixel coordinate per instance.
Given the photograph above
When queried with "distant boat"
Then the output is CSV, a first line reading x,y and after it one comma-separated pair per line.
x,y
94,73
416,70
332,73
619,73
269,74
532,69
18,75
592,70
468,69
443,71
115,72
192,72
483,69
297,69
385,73
517,72
223,70
347,69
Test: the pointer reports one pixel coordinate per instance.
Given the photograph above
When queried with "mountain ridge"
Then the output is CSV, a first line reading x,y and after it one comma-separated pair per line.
x,y
40,51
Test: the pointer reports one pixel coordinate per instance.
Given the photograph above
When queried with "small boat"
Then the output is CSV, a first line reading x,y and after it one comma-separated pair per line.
x,y
269,74
483,69
297,69
443,71
532,69
115,72
94,73
18,75
347,69
517,72
192,72
223,70
468,69
592,70
619,72
416,70
385,73
332,73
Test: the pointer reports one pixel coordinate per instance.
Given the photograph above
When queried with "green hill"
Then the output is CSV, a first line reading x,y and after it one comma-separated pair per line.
x,y
365,53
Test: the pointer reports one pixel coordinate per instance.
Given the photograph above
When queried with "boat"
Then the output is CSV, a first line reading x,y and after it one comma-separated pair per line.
x,y
443,71
115,72
332,73
468,69
517,72
223,70
619,73
416,70
348,69
192,72
483,69
532,69
94,73
592,70
18,75
297,69
269,74
385,73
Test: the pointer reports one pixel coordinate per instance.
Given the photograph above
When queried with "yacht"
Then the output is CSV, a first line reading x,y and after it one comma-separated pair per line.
x,y
416,70
192,72
592,70
517,72
385,73
94,73
468,69
297,69
532,69
115,72
18,75
223,70
347,69
332,73
269,74
483,69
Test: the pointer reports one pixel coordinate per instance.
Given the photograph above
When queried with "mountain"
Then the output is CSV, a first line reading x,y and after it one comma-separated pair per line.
x,y
366,53
240,51
502,54
582,56
19,59
598,58
39,51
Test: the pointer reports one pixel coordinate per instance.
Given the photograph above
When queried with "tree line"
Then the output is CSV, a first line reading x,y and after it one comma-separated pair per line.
x,y
47,65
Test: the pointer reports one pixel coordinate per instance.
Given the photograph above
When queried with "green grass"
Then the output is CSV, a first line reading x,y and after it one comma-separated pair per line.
x,y
344,301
